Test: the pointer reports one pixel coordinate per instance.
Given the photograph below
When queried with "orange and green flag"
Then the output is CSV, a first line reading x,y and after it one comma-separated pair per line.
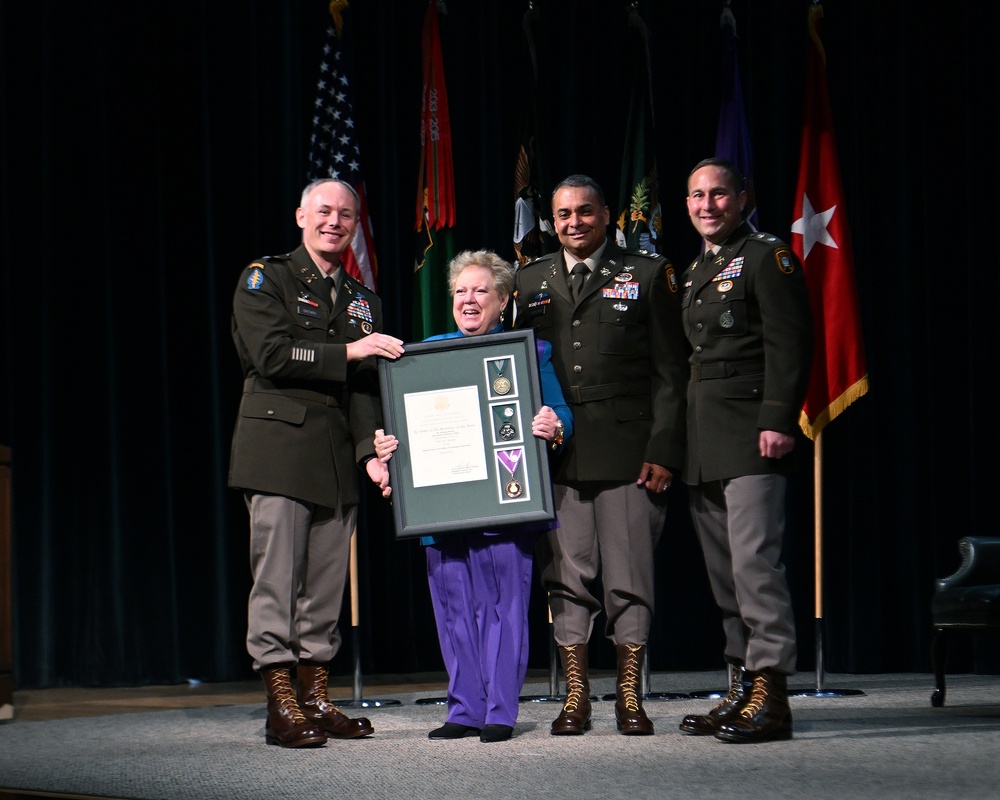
x,y
435,212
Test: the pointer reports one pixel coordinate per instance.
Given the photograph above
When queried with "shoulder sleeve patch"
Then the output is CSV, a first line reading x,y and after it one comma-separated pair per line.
x,y
671,276
256,277
783,256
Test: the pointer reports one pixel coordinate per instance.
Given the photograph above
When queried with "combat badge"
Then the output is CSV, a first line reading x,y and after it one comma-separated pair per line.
x,y
784,258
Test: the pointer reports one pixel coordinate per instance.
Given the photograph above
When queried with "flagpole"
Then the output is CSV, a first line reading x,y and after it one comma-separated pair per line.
x,y
820,690
553,695
818,557
357,701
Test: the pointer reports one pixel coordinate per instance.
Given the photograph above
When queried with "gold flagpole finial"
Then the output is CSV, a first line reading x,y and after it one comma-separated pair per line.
x,y
336,7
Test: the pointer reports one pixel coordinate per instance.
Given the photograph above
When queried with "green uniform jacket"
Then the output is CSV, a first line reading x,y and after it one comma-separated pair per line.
x,y
620,356
308,417
748,320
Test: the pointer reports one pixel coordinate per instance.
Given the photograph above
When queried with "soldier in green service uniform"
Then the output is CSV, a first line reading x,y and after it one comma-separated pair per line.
x,y
307,336
748,319
613,319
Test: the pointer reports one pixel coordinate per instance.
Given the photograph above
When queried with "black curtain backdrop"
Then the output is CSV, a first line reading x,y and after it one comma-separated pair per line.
x,y
151,150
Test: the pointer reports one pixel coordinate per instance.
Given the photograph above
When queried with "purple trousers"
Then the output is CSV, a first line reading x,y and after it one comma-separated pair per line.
x,y
480,587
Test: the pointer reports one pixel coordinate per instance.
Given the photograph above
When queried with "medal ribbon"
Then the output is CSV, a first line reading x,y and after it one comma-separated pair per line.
x,y
510,459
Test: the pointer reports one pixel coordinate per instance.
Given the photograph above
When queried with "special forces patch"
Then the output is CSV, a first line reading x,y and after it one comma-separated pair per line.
x,y
256,278
784,258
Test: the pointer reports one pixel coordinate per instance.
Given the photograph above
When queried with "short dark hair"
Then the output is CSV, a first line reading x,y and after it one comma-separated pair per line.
x,y
581,182
736,179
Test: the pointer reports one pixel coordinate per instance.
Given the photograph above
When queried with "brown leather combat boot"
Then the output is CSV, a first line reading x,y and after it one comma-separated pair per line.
x,y
765,716
630,717
727,709
286,725
574,719
317,708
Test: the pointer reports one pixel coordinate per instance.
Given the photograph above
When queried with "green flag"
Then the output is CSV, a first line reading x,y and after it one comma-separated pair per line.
x,y
533,233
639,222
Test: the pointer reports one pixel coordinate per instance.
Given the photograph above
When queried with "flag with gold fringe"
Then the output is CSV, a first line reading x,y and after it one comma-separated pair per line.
x,y
435,212
639,223
333,148
821,239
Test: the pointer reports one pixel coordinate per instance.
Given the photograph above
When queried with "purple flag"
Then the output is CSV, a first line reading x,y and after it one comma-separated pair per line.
x,y
733,138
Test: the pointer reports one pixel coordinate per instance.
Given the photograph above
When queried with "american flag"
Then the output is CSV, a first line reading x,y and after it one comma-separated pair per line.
x,y
334,151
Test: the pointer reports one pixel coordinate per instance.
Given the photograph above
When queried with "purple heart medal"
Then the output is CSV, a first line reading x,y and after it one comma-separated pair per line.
x,y
510,460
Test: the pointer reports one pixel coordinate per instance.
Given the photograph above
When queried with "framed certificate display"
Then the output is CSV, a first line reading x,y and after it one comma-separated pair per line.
x,y
461,409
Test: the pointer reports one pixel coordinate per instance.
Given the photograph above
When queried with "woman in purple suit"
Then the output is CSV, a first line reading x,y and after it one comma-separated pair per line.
x,y
481,582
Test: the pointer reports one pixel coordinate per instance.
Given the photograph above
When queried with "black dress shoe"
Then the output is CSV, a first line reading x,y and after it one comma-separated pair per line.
x,y
496,733
452,730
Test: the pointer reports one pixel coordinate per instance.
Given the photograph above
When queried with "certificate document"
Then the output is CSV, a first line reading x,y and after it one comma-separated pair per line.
x,y
445,436
465,462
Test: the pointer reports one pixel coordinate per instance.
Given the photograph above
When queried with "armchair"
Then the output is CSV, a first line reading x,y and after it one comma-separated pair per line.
x,y
967,600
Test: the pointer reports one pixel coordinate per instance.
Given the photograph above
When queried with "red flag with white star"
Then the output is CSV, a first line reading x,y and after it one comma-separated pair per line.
x,y
821,239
